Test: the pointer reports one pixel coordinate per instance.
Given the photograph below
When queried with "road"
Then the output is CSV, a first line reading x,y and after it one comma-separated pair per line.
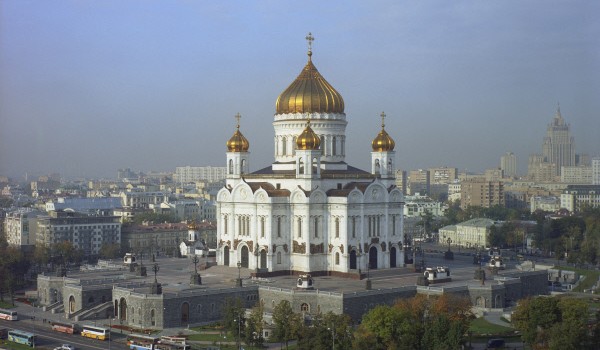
x,y
48,338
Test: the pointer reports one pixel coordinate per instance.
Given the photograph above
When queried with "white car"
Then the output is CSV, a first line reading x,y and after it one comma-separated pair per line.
x,y
65,347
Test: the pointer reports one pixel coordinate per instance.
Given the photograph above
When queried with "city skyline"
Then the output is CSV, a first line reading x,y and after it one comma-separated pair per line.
x,y
91,87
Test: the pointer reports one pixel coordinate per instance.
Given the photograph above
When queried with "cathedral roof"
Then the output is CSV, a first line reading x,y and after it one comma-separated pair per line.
x,y
309,93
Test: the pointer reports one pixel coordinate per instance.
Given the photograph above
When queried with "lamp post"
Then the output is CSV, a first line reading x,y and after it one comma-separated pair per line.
x,y
332,329
239,280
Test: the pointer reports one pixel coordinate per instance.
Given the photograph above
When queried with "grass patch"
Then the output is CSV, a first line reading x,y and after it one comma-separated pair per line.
x,y
11,345
591,277
480,326
5,305
211,337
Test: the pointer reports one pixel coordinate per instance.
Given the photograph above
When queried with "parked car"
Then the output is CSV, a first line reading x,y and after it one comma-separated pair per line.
x,y
496,343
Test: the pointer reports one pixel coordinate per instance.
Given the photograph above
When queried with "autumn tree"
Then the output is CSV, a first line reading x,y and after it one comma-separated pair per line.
x,y
254,327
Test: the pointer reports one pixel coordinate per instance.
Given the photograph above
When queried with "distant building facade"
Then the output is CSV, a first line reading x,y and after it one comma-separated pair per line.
x,y
185,174
86,232
20,227
559,146
576,175
508,164
472,233
578,197
481,193
596,171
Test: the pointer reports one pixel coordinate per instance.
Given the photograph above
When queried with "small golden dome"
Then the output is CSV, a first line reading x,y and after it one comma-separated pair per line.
x,y
192,225
308,140
237,142
309,93
383,142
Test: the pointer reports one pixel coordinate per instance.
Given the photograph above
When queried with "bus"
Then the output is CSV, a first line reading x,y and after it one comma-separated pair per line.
x,y
22,337
141,342
172,343
95,332
8,315
68,328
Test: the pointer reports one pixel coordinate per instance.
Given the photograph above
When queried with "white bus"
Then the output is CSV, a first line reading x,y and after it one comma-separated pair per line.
x,y
95,332
8,315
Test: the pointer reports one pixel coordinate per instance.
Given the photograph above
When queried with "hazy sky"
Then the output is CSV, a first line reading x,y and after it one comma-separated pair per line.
x,y
87,87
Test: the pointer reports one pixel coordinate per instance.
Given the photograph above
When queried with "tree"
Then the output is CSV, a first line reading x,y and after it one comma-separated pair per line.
x,y
286,323
233,316
254,327
534,316
110,251
571,332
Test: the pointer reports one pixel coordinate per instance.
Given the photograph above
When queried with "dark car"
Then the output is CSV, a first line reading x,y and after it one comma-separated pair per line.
x,y
497,343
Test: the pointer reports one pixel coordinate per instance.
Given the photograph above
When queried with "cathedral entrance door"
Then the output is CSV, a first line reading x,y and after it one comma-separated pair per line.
x,y
244,260
226,256
353,260
373,258
263,259
393,257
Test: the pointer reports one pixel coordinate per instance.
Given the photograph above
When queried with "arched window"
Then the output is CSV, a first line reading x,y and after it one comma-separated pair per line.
x,y
377,166
389,165
279,227
316,227
337,227
314,166
334,146
279,257
284,146
152,319
299,227
243,167
300,166
337,258
91,300
304,307
294,146
231,166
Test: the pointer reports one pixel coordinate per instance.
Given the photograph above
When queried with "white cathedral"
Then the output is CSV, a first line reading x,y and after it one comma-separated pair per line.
x,y
310,212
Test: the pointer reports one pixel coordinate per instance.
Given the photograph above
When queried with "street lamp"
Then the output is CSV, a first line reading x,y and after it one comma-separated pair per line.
x,y
239,280
332,329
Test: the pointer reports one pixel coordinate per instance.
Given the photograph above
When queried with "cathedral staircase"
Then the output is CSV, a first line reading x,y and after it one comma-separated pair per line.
x,y
100,310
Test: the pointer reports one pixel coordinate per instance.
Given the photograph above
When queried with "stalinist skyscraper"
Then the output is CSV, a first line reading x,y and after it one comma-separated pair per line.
x,y
559,145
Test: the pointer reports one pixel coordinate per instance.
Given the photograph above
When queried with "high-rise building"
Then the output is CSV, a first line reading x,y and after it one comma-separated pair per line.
x,y
508,164
418,181
596,171
559,145
309,211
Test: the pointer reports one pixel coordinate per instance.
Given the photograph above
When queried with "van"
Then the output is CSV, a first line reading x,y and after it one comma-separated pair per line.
x,y
497,343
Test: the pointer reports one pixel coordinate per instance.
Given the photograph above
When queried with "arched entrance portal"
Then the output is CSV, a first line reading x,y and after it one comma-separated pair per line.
x,y
393,257
373,258
226,256
244,260
353,259
263,259
123,309
71,304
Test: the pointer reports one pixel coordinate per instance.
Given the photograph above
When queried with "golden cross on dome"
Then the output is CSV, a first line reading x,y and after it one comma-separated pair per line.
x,y
238,117
382,119
310,39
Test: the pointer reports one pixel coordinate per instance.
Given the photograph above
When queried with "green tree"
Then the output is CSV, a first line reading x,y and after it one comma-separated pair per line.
x,y
534,317
154,217
234,317
110,251
254,327
286,323
571,332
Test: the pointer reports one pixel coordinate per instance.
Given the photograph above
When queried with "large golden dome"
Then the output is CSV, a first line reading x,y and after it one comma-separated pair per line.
x,y
383,142
308,140
237,142
310,93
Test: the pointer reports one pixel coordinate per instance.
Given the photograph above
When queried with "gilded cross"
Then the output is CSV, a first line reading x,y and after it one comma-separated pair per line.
x,y
382,119
238,117
310,39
